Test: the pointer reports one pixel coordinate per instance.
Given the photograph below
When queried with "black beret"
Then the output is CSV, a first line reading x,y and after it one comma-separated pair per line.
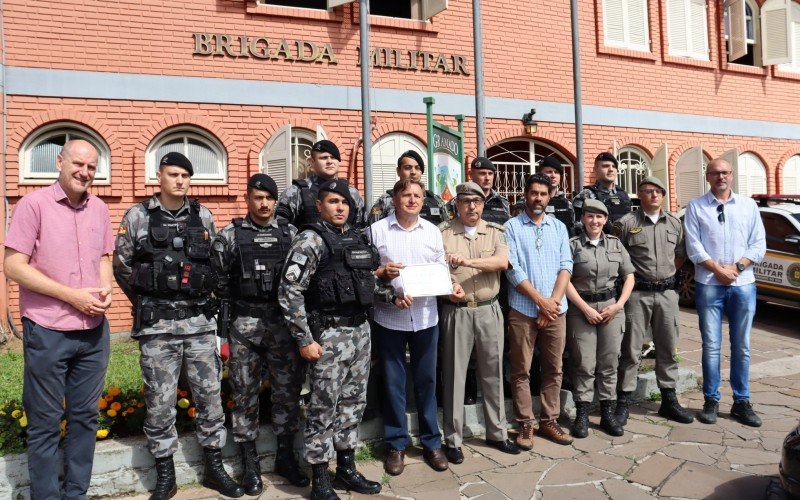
x,y
606,156
481,162
414,156
552,162
263,182
326,146
337,186
177,160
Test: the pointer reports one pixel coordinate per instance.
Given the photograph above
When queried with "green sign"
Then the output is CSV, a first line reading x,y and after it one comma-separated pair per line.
x,y
445,155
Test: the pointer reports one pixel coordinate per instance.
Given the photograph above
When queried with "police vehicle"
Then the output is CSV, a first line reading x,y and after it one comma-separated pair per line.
x,y
778,275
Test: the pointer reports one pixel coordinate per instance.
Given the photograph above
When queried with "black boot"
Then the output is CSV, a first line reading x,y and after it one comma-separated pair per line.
x,y
215,476
251,475
608,421
350,478
321,488
671,409
165,482
470,388
286,464
621,410
580,427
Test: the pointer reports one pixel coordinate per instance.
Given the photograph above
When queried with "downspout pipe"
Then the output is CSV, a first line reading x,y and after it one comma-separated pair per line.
x,y
480,102
577,185
366,110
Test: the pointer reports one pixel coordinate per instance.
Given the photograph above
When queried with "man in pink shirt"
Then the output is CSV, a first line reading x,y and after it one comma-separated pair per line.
x,y
58,249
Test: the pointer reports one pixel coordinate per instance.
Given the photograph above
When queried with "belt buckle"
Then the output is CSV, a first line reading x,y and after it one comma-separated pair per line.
x,y
472,304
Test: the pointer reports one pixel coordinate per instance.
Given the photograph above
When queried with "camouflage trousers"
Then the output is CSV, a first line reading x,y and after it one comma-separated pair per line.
x,y
285,373
161,359
339,392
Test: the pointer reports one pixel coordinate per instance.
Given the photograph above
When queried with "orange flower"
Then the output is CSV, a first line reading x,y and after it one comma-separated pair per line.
x,y
192,412
139,404
113,391
111,413
182,393
102,404
229,404
108,397
116,406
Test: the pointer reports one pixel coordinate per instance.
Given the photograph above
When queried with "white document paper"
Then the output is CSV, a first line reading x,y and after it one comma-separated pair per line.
x,y
426,280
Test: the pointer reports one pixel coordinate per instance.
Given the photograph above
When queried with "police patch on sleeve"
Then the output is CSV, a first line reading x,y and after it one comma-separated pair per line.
x,y
299,258
123,230
293,273
617,229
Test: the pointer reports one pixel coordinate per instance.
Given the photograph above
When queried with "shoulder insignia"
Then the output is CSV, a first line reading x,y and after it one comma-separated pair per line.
x,y
497,226
616,229
123,230
376,210
444,225
292,273
635,230
299,258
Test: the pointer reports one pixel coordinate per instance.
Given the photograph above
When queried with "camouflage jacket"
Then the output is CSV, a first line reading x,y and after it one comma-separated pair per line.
x,y
384,206
289,202
132,232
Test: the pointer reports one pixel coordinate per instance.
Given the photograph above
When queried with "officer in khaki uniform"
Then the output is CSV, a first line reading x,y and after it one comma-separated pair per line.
x,y
477,252
595,318
654,239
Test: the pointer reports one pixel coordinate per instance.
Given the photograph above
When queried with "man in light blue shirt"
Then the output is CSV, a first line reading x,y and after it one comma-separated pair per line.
x,y
724,238
540,267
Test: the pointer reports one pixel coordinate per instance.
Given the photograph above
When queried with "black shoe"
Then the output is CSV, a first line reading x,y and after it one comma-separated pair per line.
x,y
470,388
743,412
621,411
580,426
165,482
215,476
506,446
350,478
709,413
608,421
454,455
286,464
671,409
251,469
321,486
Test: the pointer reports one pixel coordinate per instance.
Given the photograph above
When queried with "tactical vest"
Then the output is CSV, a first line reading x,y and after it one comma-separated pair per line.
x,y
174,261
343,284
255,275
495,211
308,205
431,210
561,208
618,204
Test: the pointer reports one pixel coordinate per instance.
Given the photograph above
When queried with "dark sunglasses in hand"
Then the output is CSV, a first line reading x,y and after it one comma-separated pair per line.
x,y
721,213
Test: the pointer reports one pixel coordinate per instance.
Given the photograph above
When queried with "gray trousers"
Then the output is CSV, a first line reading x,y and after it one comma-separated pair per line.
x,y
658,311
463,328
594,354
62,367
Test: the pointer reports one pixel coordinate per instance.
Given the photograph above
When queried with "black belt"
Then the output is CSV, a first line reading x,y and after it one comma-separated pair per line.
x,y
152,313
656,286
598,296
254,310
473,304
337,321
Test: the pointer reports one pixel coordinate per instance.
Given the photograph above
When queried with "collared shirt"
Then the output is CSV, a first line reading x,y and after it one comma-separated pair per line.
x,y
420,244
537,254
65,244
741,235
652,246
595,268
489,240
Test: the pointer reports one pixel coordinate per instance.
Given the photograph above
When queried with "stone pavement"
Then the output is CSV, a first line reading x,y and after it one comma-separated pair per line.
x,y
655,458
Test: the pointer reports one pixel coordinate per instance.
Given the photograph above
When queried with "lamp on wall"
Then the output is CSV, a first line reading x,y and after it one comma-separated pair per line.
x,y
530,124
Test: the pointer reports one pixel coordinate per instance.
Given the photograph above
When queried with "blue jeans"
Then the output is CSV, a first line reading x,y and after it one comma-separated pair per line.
x,y
738,303
422,345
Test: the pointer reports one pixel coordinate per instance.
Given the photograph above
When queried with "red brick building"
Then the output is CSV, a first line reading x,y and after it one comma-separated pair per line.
x,y
245,86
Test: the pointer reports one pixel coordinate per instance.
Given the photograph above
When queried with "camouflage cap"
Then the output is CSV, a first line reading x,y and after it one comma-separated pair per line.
x,y
470,188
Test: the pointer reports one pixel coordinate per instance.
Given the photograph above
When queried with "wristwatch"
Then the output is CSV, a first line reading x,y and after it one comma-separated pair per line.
x,y
740,267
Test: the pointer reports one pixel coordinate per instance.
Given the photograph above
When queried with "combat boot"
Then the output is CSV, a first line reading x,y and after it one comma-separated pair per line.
x,y
580,426
215,476
321,487
350,478
286,464
671,409
251,475
165,482
621,410
608,422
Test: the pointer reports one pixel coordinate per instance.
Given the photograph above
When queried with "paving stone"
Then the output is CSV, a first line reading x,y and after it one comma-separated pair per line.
x,y
737,442
593,442
625,438
573,472
761,470
772,444
280,491
583,492
639,448
518,482
694,435
480,489
610,463
623,490
637,426
473,465
479,446
751,457
702,481
418,474
705,454
550,449
654,470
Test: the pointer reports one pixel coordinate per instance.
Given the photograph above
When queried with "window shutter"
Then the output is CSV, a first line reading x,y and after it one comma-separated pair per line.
x,y
321,135
638,24
689,179
277,159
336,3
791,176
737,31
677,27
776,32
614,22
698,29
659,168
732,157
432,7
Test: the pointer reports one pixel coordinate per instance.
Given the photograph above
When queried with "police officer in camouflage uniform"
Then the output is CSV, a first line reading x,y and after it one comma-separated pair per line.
x,y
560,206
496,208
248,255
605,189
327,288
410,165
297,204
162,262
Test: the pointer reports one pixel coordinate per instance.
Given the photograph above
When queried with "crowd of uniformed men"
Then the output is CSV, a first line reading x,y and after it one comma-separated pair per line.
x,y
308,280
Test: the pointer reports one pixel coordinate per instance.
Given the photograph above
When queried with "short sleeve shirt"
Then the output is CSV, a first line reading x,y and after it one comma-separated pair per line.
x,y
596,268
489,240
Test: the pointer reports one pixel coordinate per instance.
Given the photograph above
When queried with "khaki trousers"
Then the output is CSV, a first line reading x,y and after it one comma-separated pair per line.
x,y
522,337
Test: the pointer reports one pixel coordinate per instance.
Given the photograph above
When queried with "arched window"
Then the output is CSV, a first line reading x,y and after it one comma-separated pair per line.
x,y
791,176
38,153
385,153
516,159
751,175
690,175
634,166
208,156
287,154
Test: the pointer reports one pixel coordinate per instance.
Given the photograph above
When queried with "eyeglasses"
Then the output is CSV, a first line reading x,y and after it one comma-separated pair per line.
x,y
476,202
721,213
720,173
650,191
538,238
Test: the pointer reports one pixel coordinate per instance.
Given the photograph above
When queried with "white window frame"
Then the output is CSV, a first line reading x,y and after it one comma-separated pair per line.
x,y
794,33
507,186
283,152
790,176
384,167
754,43
186,133
749,169
700,53
627,24
632,188
72,131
